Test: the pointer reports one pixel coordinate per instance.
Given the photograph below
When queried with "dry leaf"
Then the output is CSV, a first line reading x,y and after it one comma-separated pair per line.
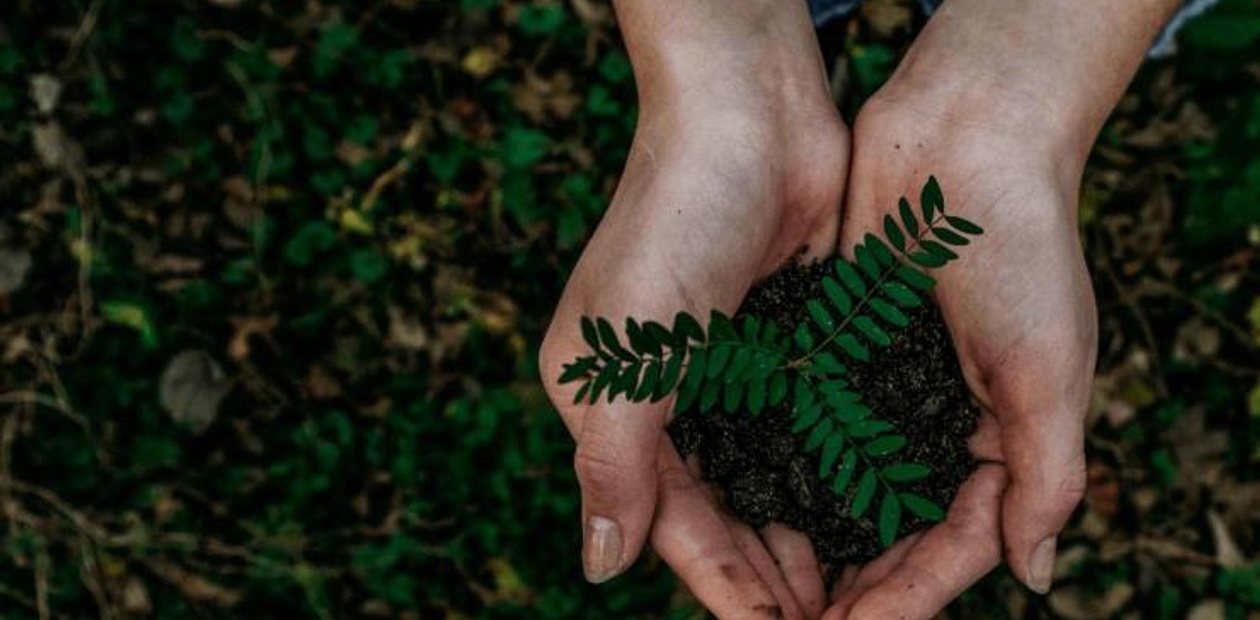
x,y
192,387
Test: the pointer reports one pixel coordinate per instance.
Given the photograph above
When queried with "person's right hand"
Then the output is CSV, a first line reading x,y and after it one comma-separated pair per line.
x,y
737,165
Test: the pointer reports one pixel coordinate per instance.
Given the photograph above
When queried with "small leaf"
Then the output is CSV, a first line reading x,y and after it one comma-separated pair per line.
x,y
949,236
608,336
906,472
577,369
885,445
889,519
916,278
756,397
894,234
922,506
602,380
585,387
865,493
866,429
647,384
719,355
820,432
931,200
907,218
851,278
659,335
880,250
836,293
830,452
720,327
732,396
626,382
807,418
778,388
872,330
804,339
889,313
638,340
866,261
709,395
835,389
853,414
939,250
963,224
904,297
827,364
589,334
844,474
853,348
928,260
820,315
696,369
802,396
752,328
669,376
739,363
686,327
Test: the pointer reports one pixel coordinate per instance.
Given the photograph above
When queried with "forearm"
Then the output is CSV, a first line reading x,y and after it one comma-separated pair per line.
x,y
1055,67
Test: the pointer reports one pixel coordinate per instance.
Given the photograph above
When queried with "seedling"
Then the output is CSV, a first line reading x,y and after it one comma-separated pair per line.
x,y
758,363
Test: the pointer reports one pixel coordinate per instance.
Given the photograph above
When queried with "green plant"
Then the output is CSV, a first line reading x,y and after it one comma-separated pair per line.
x,y
753,364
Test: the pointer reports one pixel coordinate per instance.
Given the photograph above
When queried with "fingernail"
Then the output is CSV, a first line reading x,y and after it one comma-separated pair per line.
x,y
1041,566
602,556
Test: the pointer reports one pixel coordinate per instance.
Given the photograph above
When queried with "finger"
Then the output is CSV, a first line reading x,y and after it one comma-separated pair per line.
x,y
844,597
948,558
759,557
691,537
616,470
1043,441
797,562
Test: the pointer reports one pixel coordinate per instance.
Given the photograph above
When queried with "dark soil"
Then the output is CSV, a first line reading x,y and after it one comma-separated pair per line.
x,y
760,467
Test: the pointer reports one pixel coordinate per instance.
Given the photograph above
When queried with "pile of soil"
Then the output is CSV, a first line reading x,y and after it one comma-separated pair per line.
x,y
760,467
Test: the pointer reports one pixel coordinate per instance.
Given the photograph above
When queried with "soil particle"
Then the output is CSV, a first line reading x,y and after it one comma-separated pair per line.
x,y
758,465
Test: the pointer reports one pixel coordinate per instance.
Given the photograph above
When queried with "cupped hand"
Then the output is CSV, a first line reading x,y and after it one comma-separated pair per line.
x,y
1020,309
719,190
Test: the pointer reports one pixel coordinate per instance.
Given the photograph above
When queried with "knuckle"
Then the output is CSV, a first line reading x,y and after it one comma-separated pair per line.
x,y
598,471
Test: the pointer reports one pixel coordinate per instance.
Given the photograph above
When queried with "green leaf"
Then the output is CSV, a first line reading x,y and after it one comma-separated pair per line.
x,y
916,278
872,330
866,429
709,395
659,335
669,376
807,418
732,396
889,313
949,236
589,334
523,147
720,327
830,452
608,336
577,369
939,250
865,493
804,339
638,340
880,250
907,218
627,381
719,355
603,380
904,297
885,445
866,261
752,328
820,315
690,390
851,278
922,506
581,393
931,200
844,473
802,396
894,234
756,397
928,260
836,293
686,327
778,388
889,519
853,414
827,364
906,472
820,432
647,384
739,363
964,225
853,347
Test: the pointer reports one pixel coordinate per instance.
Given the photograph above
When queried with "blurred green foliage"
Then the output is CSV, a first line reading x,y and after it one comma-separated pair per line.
x,y
364,213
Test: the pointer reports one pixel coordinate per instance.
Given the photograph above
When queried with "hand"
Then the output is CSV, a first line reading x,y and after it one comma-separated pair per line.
x,y
737,165
1020,309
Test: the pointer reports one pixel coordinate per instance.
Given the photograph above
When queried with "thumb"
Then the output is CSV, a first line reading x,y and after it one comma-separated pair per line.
x,y
1043,439
616,469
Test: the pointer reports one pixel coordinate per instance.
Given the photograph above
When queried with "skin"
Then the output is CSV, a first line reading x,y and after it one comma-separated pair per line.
x,y
740,160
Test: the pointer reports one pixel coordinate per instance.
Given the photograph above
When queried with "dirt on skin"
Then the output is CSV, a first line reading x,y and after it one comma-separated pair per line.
x,y
760,468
